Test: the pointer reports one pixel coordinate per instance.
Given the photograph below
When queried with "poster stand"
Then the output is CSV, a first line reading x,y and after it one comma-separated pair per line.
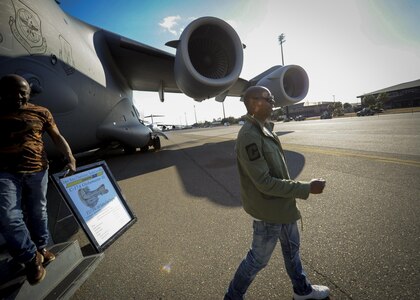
x,y
97,203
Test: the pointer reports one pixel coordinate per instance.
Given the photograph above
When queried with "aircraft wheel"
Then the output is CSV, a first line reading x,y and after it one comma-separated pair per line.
x,y
144,148
156,143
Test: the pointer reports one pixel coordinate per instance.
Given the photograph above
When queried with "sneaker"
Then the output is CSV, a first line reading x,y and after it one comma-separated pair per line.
x,y
48,256
35,272
318,292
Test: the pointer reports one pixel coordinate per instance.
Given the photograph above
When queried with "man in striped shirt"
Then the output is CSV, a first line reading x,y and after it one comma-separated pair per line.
x,y
24,175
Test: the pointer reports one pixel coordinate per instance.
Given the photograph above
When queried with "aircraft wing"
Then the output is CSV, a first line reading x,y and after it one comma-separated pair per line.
x,y
207,64
238,88
145,68
149,69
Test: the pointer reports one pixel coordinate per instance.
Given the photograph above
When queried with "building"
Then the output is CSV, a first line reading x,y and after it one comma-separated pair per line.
x,y
311,110
399,96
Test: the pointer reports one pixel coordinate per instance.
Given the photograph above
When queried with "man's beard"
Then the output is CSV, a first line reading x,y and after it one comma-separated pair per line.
x,y
13,105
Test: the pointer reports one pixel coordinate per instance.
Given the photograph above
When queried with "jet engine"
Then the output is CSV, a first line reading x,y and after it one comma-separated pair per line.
x,y
209,58
288,84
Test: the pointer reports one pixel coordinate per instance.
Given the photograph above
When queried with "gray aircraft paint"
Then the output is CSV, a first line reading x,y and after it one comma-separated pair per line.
x,y
86,75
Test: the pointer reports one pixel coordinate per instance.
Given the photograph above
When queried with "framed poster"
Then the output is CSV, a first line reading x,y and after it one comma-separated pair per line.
x,y
96,201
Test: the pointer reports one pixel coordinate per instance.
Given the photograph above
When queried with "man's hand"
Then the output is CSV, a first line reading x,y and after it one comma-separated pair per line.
x,y
62,145
71,165
317,186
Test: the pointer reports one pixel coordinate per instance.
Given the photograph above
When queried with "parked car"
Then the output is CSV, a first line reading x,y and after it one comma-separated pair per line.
x,y
378,110
326,115
365,112
300,118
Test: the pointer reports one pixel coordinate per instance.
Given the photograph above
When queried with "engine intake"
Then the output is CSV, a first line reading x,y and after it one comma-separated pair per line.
x,y
288,84
209,58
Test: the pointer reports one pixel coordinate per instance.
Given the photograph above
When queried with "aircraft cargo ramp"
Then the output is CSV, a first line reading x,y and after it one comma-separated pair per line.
x,y
64,275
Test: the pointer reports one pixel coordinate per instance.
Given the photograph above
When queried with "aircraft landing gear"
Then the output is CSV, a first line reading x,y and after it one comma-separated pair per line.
x,y
156,143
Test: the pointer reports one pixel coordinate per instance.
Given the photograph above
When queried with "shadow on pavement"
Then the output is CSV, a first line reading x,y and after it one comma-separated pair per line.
x,y
198,168
206,171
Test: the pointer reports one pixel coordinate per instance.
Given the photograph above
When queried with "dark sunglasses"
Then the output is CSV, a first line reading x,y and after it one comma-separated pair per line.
x,y
269,99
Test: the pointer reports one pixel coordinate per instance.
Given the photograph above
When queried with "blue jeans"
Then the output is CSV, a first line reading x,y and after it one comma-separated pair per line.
x,y
264,241
23,213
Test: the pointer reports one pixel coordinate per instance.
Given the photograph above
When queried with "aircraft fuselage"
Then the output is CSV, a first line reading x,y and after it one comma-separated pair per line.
x,y
68,60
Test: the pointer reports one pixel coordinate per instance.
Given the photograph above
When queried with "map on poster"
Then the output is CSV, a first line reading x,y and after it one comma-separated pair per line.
x,y
97,202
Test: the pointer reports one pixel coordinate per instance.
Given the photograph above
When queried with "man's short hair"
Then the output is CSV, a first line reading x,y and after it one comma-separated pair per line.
x,y
251,93
8,80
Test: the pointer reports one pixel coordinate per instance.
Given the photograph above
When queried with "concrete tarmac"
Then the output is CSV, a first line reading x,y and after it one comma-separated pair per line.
x,y
361,237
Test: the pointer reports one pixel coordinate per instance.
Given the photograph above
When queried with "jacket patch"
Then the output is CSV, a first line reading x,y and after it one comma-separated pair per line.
x,y
252,151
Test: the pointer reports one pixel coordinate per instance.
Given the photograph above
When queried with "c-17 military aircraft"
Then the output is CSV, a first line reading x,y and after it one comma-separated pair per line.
x,y
86,75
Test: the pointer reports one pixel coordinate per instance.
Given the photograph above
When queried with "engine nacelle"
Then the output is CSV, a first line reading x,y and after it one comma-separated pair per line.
x,y
209,58
288,84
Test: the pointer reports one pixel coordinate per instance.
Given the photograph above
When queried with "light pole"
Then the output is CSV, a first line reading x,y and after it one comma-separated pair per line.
x,y
195,114
223,105
281,41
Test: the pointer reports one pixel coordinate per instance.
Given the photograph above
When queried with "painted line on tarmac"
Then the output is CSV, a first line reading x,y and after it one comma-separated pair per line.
x,y
338,152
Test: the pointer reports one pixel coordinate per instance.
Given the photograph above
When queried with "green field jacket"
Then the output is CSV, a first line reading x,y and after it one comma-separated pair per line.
x,y
267,192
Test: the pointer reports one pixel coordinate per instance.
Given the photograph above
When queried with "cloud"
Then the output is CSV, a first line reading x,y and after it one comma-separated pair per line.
x,y
170,24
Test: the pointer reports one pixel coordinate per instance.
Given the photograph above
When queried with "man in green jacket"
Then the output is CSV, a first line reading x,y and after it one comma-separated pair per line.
x,y
269,196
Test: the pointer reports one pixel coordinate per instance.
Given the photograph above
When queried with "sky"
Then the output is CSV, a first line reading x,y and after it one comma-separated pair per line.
x,y
347,47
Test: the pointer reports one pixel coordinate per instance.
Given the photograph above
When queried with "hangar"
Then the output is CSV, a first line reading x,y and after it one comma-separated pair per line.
x,y
399,96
